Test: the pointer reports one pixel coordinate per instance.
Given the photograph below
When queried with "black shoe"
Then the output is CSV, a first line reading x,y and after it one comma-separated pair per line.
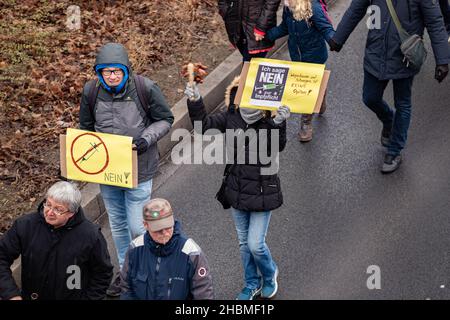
x,y
386,136
114,288
391,163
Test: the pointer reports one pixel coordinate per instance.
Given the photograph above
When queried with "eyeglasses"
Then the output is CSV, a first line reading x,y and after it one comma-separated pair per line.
x,y
117,73
56,211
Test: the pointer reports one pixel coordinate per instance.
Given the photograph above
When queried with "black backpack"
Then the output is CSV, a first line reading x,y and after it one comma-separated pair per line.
x,y
93,87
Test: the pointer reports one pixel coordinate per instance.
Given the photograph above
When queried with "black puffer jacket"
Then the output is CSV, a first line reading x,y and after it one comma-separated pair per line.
x,y
47,256
246,188
246,15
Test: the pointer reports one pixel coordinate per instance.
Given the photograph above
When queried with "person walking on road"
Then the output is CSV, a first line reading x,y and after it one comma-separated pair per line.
x,y
247,22
309,27
248,190
163,264
64,256
384,61
122,103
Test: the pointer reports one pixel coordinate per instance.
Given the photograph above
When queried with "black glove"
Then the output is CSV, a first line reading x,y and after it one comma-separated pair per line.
x,y
141,145
441,72
334,46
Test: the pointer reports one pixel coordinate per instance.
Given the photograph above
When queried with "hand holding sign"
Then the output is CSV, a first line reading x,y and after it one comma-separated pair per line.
x,y
191,91
283,113
269,83
140,145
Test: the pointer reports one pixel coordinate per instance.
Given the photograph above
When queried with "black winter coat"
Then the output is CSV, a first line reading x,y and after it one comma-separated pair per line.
x,y
246,188
47,254
246,15
383,58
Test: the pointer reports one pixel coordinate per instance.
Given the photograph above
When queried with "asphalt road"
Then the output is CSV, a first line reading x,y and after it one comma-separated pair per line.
x,y
340,214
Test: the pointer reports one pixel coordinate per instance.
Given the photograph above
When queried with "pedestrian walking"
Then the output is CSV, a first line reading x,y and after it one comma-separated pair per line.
x,y
309,28
120,102
251,194
246,23
64,256
163,264
384,62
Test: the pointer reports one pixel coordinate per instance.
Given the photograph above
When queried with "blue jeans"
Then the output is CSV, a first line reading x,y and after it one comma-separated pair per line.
x,y
124,208
399,120
251,229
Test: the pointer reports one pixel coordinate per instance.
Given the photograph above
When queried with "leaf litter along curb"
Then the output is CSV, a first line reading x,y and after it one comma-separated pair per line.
x,y
43,67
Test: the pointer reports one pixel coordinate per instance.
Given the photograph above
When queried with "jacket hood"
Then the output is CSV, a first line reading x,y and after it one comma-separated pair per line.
x,y
230,93
76,219
113,53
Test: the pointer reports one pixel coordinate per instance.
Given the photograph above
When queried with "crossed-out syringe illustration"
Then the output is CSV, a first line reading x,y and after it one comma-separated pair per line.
x,y
91,151
83,148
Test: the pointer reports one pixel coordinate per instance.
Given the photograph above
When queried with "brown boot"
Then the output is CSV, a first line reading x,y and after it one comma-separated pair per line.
x,y
306,128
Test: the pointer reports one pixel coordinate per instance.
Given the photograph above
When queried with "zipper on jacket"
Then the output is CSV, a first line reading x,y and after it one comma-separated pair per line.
x,y
169,288
158,262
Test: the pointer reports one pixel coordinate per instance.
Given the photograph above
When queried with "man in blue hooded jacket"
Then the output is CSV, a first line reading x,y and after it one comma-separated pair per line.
x,y
118,109
384,61
163,264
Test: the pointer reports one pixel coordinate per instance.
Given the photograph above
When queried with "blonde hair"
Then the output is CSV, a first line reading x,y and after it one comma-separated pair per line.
x,y
301,9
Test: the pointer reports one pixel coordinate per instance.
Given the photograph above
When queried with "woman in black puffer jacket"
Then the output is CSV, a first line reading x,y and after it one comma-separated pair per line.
x,y
246,22
252,187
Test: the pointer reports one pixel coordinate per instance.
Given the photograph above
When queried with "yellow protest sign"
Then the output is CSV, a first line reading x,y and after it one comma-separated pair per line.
x,y
270,83
99,158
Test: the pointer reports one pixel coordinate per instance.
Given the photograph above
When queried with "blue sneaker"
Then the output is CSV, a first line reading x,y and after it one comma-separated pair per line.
x,y
270,288
248,294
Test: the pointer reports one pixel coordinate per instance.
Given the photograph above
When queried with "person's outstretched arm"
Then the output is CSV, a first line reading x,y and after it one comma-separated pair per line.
x,y
279,31
197,112
322,21
350,20
435,25
268,16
